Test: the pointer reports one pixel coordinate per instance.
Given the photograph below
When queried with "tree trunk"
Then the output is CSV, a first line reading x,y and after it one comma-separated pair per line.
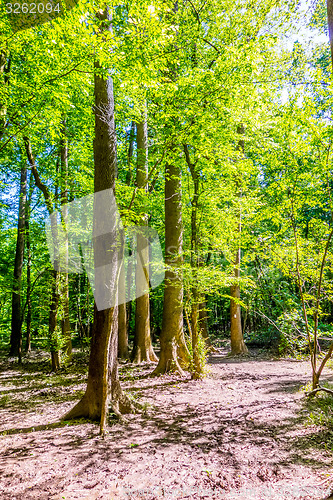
x,y
16,330
64,296
143,349
197,371
203,323
29,310
174,353
53,332
103,381
123,352
236,333
27,234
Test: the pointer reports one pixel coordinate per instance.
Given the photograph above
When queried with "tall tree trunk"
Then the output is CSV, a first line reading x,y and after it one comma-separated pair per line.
x,y
174,353
64,296
29,309
28,246
103,381
236,333
53,333
143,349
203,322
237,342
195,299
16,330
123,352
125,308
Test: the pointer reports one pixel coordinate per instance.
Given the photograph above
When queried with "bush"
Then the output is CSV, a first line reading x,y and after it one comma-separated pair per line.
x,y
293,339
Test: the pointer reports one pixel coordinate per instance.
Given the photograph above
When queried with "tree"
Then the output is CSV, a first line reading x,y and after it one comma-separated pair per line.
x,y
55,275
103,381
143,349
236,331
173,354
16,332
198,367
65,326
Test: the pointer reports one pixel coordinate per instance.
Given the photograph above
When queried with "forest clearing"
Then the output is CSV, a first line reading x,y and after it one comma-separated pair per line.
x,y
242,432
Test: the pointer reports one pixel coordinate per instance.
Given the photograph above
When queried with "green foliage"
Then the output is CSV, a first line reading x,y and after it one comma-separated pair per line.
x,y
56,341
201,369
293,339
267,337
321,409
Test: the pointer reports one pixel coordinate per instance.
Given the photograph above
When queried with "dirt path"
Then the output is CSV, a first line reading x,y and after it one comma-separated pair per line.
x,y
238,434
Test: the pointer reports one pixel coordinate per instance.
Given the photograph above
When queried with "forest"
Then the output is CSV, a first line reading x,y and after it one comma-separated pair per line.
x,y
166,265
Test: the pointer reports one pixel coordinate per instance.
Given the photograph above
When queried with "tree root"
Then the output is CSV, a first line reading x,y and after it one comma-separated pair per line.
x,y
239,355
171,367
314,391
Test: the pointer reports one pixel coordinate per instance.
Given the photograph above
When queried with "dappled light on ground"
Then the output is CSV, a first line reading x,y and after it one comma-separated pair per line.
x,y
239,433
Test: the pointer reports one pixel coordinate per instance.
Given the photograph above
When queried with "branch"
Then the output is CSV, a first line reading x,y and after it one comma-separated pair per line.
x,y
213,46
195,11
43,187
148,178
21,128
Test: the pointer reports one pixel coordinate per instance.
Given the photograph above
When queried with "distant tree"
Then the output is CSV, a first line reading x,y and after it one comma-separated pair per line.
x,y
16,331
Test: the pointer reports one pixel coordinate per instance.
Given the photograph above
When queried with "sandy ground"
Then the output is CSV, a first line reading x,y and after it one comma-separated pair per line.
x,y
240,433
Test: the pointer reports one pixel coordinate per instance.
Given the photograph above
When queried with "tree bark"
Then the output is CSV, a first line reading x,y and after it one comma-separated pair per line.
x,y
16,330
174,354
142,349
103,381
203,323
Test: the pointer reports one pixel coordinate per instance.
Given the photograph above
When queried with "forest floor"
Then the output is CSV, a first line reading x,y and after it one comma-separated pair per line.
x,y
241,433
